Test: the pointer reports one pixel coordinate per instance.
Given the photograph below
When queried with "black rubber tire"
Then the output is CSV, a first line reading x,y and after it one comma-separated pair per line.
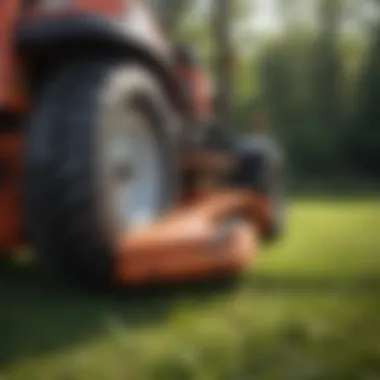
x,y
61,170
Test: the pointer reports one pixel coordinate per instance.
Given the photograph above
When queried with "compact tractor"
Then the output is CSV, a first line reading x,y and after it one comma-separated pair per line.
x,y
111,165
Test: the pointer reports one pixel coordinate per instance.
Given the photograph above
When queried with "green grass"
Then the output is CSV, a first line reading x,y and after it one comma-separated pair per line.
x,y
310,310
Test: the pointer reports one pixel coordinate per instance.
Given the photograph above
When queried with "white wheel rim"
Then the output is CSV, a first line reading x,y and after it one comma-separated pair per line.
x,y
134,176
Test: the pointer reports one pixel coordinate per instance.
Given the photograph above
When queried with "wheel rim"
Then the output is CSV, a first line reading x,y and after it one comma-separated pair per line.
x,y
134,172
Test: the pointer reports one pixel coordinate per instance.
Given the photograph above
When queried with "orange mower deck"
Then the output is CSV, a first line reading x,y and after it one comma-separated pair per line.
x,y
205,238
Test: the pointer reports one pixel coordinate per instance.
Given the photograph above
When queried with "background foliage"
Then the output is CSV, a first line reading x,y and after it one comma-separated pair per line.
x,y
317,76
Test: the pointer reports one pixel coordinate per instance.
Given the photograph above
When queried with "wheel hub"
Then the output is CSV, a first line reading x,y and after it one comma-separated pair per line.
x,y
134,170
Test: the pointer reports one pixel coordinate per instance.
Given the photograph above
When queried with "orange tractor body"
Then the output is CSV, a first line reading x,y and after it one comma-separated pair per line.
x,y
204,229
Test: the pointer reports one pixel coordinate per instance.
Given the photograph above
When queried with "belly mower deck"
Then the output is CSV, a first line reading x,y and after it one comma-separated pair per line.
x,y
214,235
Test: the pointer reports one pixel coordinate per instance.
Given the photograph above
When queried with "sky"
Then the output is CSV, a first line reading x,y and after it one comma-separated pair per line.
x,y
265,17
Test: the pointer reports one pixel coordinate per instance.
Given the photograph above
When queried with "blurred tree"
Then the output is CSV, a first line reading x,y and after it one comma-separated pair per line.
x,y
327,71
364,139
232,69
327,65
223,60
172,13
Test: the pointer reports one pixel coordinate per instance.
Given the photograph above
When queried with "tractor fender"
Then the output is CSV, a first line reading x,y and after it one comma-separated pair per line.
x,y
46,44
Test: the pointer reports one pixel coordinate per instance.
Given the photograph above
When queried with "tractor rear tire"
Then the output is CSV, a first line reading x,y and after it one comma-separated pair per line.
x,y
72,227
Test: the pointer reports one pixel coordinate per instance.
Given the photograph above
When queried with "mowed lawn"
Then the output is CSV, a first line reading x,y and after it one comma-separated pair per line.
x,y
309,310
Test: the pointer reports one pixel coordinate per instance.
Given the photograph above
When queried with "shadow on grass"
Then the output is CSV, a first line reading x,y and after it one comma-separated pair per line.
x,y
37,317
